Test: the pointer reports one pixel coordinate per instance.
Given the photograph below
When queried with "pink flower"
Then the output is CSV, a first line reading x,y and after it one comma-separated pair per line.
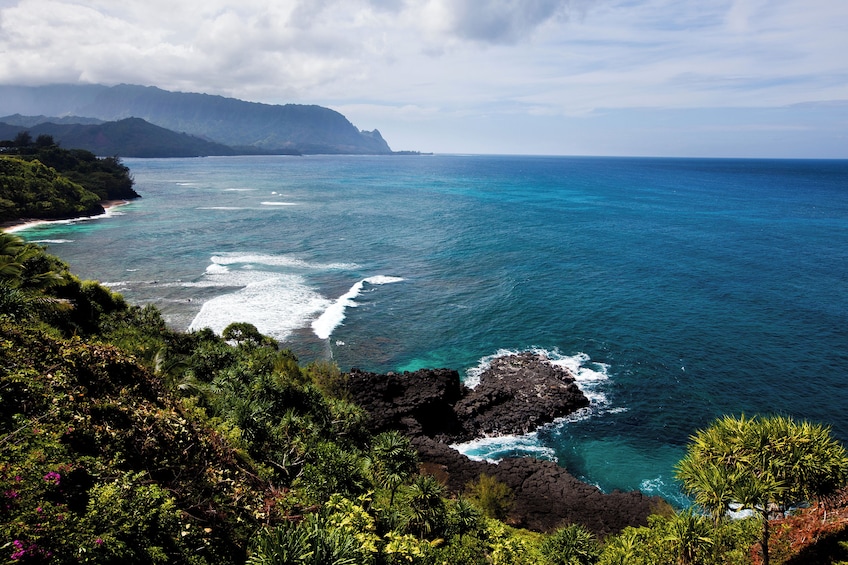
x,y
53,477
98,541
19,546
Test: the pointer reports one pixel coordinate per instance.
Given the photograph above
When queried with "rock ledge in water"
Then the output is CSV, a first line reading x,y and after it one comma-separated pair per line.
x,y
517,394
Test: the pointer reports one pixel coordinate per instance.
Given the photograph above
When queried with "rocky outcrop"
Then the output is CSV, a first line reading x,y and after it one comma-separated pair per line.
x,y
418,404
516,395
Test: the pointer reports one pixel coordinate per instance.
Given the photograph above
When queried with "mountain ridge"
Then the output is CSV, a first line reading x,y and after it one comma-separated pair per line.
x,y
258,127
130,137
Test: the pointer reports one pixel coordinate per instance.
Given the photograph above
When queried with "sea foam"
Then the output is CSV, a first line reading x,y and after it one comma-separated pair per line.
x,y
278,261
334,315
277,306
493,449
273,294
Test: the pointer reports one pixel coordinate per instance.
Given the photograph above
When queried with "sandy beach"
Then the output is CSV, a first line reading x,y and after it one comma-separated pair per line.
x,y
16,226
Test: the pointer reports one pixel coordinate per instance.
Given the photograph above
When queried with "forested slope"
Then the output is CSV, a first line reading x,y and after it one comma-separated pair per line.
x,y
40,180
124,441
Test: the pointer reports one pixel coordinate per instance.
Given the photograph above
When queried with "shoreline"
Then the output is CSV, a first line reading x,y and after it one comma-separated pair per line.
x,y
14,226
517,393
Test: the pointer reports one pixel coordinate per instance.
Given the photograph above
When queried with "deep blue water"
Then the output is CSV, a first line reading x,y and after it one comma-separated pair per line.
x,y
678,289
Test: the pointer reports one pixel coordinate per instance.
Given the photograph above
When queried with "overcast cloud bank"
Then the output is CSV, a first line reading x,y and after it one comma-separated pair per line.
x,y
723,78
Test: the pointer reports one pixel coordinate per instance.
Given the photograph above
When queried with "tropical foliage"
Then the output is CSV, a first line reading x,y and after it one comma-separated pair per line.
x,y
765,464
38,179
124,441
29,189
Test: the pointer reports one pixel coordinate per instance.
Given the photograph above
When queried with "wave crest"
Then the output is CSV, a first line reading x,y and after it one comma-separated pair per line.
x,y
334,315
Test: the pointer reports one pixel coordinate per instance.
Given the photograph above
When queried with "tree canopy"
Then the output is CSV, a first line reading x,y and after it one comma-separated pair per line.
x,y
57,183
764,463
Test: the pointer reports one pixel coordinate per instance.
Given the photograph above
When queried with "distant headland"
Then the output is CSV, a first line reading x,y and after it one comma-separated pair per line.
x,y
145,121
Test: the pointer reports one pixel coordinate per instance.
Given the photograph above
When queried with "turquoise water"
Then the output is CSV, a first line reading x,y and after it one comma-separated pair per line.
x,y
677,289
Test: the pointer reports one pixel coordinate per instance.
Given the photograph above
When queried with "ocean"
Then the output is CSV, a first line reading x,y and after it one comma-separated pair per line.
x,y
677,290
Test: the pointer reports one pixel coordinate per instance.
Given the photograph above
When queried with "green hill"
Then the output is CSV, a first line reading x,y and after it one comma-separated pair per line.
x,y
130,137
30,189
40,180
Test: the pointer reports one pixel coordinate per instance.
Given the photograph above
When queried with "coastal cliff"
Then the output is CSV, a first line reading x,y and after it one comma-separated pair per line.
x,y
516,395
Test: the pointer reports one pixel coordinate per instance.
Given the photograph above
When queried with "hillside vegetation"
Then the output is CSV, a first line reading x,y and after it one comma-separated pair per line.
x,y
130,137
122,441
38,179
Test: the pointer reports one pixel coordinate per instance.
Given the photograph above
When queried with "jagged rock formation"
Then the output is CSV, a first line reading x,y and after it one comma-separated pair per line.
x,y
516,395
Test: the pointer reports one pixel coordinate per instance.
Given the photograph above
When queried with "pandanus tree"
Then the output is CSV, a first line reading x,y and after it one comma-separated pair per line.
x,y
571,545
393,461
426,506
26,274
765,464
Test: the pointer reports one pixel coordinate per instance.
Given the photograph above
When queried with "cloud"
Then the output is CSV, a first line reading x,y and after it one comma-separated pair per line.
x,y
423,59
500,21
741,12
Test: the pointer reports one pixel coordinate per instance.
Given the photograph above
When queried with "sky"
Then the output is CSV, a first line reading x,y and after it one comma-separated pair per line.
x,y
710,78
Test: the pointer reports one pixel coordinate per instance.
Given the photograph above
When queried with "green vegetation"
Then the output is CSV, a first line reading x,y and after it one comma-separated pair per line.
x,y
29,189
764,464
124,441
129,137
38,179
490,495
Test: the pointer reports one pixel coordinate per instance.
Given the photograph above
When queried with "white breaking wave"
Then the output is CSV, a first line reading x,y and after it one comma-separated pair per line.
x,y
493,449
334,315
277,306
278,261
272,293
216,269
47,241
278,203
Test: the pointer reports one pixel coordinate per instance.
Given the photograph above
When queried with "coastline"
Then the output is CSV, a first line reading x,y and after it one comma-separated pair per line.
x,y
14,226
518,393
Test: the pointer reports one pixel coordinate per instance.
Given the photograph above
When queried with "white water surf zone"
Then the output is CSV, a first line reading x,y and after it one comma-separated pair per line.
x,y
273,294
335,314
109,212
590,378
